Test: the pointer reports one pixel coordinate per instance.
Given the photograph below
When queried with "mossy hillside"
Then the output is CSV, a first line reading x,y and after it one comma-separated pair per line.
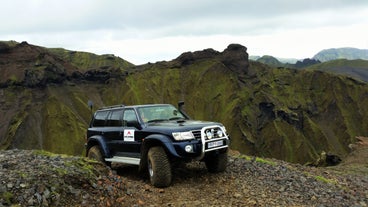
x,y
307,116
199,87
14,111
340,63
353,68
306,96
86,60
64,131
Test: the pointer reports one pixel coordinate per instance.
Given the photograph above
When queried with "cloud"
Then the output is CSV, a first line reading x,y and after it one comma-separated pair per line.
x,y
146,30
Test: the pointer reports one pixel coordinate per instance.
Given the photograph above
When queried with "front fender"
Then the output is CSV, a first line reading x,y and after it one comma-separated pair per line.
x,y
157,139
100,141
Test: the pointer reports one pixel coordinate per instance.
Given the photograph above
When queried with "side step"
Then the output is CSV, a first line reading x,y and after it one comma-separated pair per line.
x,y
124,160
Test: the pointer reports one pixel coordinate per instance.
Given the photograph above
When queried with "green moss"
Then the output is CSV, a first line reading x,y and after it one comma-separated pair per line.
x,y
258,159
48,153
325,180
320,103
14,125
7,197
65,132
86,61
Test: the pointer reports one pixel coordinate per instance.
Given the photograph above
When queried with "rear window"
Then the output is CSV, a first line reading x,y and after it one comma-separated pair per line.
x,y
100,118
115,118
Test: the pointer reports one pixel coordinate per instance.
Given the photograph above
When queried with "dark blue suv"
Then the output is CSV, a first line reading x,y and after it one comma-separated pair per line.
x,y
154,137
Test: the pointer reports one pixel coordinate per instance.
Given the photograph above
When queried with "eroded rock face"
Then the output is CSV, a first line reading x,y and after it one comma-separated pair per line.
x,y
235,57
4,47
189,57
32,66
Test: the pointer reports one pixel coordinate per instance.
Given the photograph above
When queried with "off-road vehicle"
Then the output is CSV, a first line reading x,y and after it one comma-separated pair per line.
x,y
155,137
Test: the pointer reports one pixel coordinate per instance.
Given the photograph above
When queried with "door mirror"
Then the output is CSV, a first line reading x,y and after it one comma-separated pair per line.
x,y
133,123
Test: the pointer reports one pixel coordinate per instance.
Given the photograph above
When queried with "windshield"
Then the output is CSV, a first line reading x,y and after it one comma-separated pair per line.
x,y
159,113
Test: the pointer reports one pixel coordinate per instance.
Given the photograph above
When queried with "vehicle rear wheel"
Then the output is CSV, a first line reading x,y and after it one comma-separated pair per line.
x,y
216,162
159,168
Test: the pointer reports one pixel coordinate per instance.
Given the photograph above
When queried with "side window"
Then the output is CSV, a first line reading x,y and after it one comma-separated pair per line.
x,y
115,118
100,118
130,118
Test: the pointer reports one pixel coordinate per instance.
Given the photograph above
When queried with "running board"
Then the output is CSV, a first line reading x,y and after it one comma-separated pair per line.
x,y
124,160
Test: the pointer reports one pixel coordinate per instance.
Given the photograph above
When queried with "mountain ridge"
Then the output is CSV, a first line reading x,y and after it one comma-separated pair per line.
x,y
271,112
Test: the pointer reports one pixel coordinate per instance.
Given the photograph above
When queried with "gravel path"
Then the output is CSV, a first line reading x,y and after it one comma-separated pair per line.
x,y
34,178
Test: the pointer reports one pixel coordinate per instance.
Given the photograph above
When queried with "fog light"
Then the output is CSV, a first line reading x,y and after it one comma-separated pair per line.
x,y
189,148
219,133
209,134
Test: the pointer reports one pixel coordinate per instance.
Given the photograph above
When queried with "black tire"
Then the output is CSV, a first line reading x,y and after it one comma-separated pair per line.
x,y
216,163
95,153
159,168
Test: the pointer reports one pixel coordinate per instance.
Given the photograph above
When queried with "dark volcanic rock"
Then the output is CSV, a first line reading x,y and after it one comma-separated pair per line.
x,y
32,66
97,75
189,57
38,178
4,47
235,57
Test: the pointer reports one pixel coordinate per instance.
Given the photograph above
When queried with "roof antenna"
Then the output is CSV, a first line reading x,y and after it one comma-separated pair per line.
x,y
90,105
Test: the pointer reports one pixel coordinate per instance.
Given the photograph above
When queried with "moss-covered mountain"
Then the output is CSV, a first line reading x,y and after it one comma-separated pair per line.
x,y
353,68
287,114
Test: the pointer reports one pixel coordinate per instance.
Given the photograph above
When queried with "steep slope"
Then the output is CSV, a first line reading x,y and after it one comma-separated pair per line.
x,y
33,66
282,113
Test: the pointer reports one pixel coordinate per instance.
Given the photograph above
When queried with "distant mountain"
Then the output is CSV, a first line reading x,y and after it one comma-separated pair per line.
x,y
275,62
341,53
282,60
270,60
354,68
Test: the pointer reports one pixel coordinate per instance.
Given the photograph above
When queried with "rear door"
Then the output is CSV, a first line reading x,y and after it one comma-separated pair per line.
x,y
98,124
114,130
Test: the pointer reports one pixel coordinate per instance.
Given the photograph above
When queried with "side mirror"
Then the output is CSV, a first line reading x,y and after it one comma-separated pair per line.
x,y
133,123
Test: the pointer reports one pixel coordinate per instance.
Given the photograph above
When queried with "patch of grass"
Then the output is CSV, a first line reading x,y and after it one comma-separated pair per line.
x,y
261,160
258,159
8,197
49,154
325,180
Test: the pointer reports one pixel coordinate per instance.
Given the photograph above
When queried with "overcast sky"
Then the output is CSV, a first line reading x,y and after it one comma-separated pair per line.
x,y
142,31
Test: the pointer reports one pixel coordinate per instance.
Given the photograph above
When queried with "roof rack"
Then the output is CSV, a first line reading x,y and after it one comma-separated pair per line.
x,y
114,106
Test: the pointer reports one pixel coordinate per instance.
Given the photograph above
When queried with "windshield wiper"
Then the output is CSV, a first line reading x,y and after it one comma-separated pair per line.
x,y
177,118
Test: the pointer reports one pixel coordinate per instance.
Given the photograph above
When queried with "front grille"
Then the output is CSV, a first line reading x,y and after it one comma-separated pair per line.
x,y
214,131
197,134
211,138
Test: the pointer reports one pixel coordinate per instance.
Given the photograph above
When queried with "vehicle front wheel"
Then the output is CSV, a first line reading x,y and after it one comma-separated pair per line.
x,y
216,162
95,153
159,168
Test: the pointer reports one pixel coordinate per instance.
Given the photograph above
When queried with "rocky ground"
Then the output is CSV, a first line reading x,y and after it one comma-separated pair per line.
x,y
38,178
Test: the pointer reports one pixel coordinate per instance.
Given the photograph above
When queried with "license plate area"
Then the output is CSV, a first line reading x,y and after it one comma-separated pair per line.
x,y
215,144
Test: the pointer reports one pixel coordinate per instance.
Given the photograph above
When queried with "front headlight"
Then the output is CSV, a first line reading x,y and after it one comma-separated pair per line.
x,y
183,135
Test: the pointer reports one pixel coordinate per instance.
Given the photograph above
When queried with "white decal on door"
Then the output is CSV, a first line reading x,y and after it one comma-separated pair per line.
x,y
129,135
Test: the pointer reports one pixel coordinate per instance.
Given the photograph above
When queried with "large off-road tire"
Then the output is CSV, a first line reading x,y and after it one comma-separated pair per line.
x,y
95,153
216,163
159,168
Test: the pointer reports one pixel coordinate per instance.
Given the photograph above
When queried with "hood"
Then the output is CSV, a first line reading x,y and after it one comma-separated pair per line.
x,y
179,126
